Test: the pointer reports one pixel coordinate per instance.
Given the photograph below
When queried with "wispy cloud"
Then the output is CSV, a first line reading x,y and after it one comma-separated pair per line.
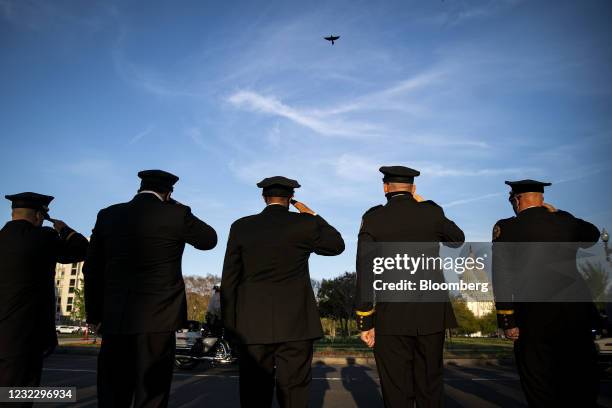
x,y
272,106
463,12
386,99
443,171
472,199
137,137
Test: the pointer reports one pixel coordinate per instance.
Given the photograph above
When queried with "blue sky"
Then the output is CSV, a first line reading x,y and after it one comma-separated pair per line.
x,y
224,94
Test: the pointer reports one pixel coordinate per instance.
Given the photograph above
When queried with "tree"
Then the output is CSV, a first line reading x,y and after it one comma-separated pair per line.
x,y
199,290
466,320
488,323
78,306
196,306
336,299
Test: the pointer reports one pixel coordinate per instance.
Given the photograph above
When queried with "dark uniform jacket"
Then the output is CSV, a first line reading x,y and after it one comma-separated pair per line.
x,y
133,278
266,295
28,255
551,268
403,219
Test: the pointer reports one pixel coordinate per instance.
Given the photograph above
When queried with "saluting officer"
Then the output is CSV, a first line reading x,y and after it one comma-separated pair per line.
x,y
266,296
408,337
553,347
28,254
134,290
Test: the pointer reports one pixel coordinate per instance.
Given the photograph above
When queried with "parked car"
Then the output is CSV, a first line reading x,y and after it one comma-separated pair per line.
x,y
67,329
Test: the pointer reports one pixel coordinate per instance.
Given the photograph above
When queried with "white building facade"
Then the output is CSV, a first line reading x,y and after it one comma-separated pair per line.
x,y
68,280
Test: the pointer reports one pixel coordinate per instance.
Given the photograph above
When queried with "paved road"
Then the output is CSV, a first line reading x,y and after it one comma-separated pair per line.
x,y
349,385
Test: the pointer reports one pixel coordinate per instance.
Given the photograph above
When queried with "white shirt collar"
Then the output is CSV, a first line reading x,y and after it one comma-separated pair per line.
x,y
267,205
152,192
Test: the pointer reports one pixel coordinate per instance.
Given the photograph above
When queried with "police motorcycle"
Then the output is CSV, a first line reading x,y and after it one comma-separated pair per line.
x,y
201,342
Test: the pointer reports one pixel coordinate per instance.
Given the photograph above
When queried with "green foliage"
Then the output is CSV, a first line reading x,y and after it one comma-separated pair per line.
x,y
78,306
336,298
488,323
199,289
468,323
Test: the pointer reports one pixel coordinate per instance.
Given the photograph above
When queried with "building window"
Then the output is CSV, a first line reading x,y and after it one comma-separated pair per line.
x,y
72,282
70,290
58,309
69,308
59,300
70,300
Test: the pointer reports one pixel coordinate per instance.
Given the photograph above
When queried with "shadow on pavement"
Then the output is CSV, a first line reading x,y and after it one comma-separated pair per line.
x,y
318,388
358,380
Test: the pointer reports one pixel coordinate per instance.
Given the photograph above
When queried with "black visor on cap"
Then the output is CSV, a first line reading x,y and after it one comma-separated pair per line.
x,y
278,186
157,180
399,174
277,191
30,200
527,186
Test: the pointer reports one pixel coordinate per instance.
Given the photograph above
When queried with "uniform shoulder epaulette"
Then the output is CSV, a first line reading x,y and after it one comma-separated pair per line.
x,y
497,228
376,207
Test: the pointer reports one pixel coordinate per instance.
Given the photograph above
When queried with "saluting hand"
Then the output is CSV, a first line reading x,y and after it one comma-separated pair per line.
x,y
58,225
301,207
418,197
368,337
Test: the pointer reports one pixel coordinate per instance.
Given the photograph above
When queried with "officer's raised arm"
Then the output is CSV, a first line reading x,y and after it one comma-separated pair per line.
x,y
587,233
449,233
197,233
71,246
328,241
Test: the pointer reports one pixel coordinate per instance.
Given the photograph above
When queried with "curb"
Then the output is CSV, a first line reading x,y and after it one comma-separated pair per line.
x,y
448,362
86,351
329,360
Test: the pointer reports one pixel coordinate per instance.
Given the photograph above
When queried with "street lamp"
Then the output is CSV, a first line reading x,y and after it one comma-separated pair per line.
x,y
605,237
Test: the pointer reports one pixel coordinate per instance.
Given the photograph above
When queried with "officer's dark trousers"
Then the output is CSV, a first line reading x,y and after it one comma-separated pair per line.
x,y
135,368
410,369
286,365
20,371
558,372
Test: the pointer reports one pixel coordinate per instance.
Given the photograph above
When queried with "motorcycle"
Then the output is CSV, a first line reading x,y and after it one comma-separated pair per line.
x,y
197,343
